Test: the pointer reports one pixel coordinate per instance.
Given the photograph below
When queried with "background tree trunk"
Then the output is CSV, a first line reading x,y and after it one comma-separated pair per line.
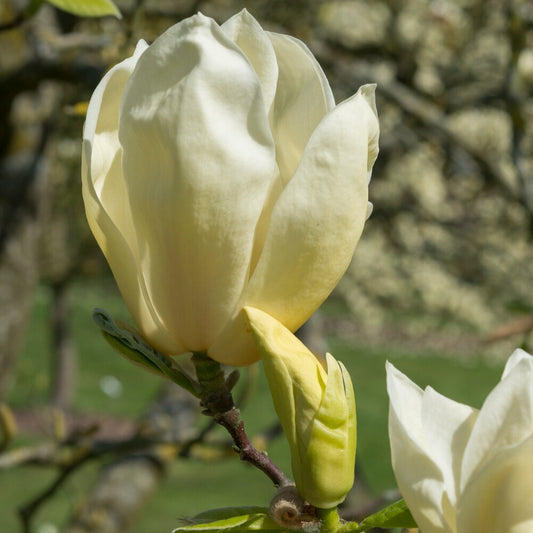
x,y
126,484
18,275
21,198
64,361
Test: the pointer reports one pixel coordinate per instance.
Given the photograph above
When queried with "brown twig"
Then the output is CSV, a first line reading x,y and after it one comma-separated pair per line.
x,y
76,450
27,511
217,402
69,456
232,422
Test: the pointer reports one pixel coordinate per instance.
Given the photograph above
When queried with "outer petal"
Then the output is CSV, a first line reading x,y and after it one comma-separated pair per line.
x,y
106,200
319,217
447,428
303,99
419,478
505,419
498,498
516,358
248,35
199,162
235,345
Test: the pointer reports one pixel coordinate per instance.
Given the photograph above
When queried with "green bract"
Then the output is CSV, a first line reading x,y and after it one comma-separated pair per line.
x,y
217,173
316,409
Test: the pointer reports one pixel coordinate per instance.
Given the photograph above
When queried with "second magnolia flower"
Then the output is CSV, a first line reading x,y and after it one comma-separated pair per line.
x,y
461,470
217,173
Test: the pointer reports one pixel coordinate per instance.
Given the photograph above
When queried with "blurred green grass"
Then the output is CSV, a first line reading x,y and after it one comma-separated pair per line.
x,y
192,486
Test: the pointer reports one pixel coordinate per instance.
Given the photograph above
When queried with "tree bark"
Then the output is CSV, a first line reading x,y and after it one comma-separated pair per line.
x,y
127,483
64,357
18,276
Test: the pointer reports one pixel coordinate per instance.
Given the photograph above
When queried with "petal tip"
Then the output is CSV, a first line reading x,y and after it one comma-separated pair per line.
x,y
368,92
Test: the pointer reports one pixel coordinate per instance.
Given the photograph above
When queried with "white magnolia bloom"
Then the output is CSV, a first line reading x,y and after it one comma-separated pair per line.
x,y
461,470
217,173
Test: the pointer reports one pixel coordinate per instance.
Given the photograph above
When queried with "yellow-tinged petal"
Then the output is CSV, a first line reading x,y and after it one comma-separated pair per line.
x,y
199,162
314,228
506,417
303,99
319,217
106,201
248,35
498,498
235,346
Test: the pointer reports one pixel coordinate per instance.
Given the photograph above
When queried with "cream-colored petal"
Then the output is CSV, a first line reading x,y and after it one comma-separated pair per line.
x,y
420,479
106,200
303,98
199,161
516,358
318,219
235,346
498,497
369,209
505,419
447,428
101,132
310,235
248,35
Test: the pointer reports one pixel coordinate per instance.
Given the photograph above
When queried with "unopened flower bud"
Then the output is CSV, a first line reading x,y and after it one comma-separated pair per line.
x,y
316,407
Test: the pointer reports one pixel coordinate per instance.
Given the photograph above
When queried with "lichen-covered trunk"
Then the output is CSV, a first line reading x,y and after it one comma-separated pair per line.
x,y
18,276
125,484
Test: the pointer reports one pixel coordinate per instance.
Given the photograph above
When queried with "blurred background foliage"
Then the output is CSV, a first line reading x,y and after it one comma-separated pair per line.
x,y
440,282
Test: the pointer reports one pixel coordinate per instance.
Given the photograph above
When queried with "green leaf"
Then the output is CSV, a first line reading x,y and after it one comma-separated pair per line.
x,y
232,519
226,512
130,354
127,342
87,8
395,515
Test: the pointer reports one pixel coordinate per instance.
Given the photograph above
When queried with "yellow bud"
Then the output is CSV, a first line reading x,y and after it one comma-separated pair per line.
x,y
316,406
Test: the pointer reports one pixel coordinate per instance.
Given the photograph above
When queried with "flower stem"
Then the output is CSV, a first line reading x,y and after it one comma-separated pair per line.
x,y
329,520
218,403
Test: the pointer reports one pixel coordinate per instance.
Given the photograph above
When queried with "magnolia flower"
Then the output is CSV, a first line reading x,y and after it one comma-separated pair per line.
x,y
217,172
461,470
315,403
